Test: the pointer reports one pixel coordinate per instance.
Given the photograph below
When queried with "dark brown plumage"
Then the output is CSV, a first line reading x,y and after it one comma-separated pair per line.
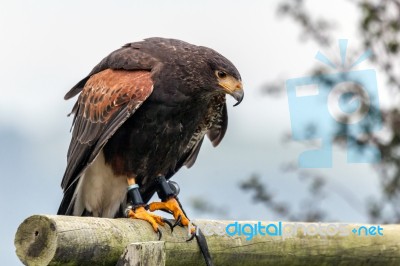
x,y
143,111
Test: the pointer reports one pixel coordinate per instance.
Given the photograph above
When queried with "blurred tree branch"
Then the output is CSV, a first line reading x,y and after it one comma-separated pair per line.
x,y
310,209
379,30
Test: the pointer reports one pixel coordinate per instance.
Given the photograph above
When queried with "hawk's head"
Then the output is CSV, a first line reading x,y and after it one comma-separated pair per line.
x,y
221,74
199,69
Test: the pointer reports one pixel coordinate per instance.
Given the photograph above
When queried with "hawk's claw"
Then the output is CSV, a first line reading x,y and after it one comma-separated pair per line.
x,y
154,220
171,226
192,237
177,222
173,206
167,211
159,234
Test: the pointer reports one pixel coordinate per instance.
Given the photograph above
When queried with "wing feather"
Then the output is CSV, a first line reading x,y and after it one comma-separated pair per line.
x,y
127,57
107,100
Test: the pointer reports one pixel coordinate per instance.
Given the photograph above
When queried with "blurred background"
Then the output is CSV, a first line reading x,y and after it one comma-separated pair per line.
x,y
48,46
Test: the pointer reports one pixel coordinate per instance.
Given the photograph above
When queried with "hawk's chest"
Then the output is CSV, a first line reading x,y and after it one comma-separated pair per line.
x,y
212,118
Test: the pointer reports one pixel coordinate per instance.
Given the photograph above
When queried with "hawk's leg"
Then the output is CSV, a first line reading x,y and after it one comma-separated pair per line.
x,y
136,208
167,192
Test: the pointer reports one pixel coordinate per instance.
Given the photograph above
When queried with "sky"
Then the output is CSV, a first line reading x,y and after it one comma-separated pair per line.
x,y
48,46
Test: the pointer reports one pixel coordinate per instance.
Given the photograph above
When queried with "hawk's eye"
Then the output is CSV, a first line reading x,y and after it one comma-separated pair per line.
x,y
221,74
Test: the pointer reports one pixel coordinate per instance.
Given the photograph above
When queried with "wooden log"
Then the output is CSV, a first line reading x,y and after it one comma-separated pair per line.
x,y
66,240
143,254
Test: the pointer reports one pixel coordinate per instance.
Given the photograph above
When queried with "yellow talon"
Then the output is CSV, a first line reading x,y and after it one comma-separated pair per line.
x,y
141,214
173,206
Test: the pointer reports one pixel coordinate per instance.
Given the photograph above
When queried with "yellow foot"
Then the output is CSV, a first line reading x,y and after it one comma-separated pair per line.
x,y
171,205
154,220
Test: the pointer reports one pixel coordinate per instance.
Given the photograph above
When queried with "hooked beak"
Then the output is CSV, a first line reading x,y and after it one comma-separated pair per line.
x,y
234,88
238,95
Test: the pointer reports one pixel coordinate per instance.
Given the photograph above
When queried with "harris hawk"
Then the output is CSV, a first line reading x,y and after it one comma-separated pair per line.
x,y
142,113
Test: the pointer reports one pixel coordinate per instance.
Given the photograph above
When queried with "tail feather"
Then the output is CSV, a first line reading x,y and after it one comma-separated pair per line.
x,y
67,203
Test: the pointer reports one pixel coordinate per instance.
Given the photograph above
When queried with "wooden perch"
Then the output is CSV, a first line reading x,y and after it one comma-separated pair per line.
x,y
60,240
